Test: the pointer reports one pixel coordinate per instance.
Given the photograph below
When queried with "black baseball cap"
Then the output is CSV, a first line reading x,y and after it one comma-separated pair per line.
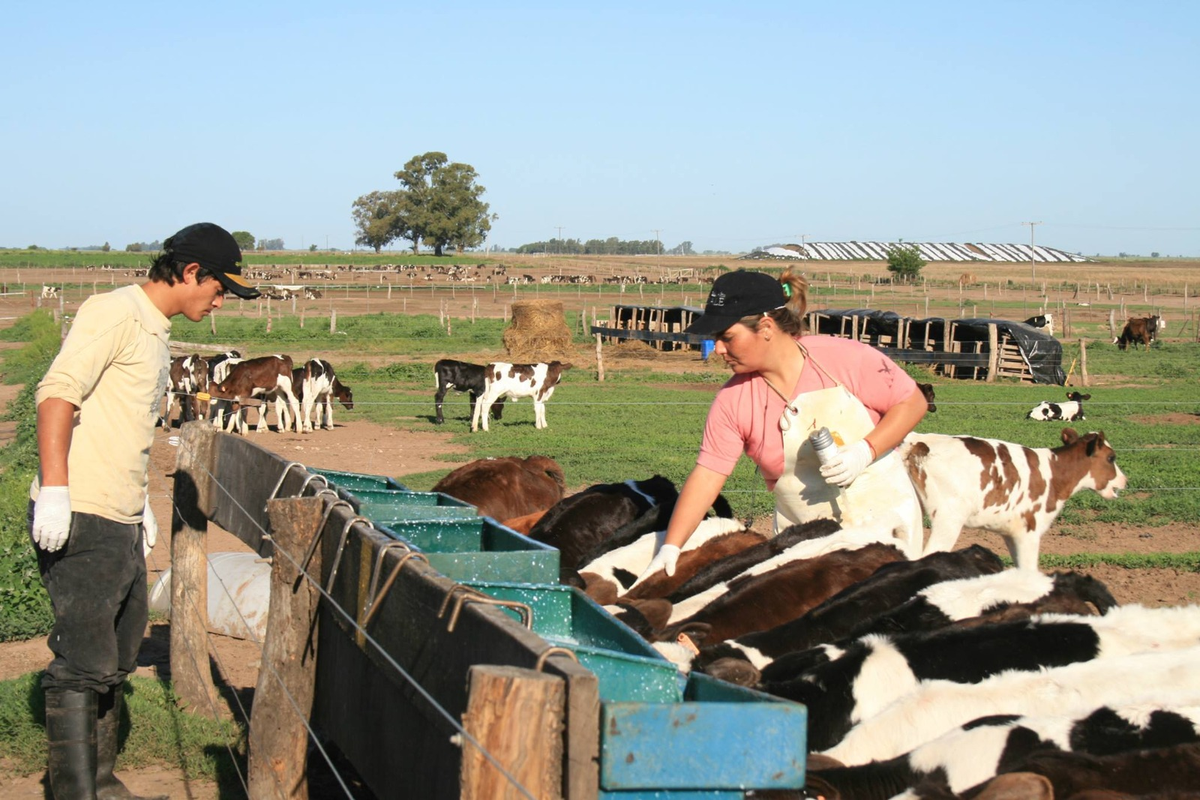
x,y
213,248
736,295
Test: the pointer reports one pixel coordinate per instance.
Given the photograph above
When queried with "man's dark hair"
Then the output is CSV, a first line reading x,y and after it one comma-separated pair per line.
x,y
165,268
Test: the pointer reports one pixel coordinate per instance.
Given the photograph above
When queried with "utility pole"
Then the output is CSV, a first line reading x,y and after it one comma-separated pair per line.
x,y
1032,255
657,248
560,242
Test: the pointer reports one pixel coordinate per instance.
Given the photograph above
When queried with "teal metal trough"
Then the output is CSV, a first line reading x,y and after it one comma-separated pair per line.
x,y
403,504
475,548
627,666
357,480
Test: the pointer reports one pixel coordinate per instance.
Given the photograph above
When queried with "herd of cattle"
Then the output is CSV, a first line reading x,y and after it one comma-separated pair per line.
x,y
926,672
224,387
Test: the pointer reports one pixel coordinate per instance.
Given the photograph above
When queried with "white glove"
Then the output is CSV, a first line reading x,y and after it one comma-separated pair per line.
x,y
664,559
149,529
848,464
52,517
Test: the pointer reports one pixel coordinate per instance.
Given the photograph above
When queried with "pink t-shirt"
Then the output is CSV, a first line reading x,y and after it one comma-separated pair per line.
x,y
744,417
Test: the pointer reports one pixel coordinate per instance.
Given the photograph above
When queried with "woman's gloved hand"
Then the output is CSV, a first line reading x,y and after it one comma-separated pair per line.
x,y
149,529
848,464
664,559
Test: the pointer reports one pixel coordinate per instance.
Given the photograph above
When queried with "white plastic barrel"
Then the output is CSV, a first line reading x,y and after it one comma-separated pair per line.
x,y
239,586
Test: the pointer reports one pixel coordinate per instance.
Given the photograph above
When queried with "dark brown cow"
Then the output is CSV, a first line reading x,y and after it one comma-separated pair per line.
x,y
504,488
1140,329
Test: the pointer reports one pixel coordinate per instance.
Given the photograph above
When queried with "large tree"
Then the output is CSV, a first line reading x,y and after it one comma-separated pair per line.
x,y
244,239
440,203
375,219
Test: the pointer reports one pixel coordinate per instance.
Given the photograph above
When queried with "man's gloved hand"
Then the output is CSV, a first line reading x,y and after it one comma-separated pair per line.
x,y
665,559
149,529
848,464
52,517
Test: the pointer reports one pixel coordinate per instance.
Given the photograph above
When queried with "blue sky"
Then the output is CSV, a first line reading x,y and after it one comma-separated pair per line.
x,y
730,125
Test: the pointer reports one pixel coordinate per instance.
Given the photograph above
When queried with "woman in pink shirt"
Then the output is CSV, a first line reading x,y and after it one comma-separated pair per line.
x,y
785,387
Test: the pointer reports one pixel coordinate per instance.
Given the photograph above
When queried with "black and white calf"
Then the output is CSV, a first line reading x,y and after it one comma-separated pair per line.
x,y
319,387
1069,411
502,379
932,708
461,376
865,677
966,757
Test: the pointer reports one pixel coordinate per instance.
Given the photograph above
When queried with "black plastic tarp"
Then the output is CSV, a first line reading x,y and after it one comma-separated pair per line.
x,y
1041,352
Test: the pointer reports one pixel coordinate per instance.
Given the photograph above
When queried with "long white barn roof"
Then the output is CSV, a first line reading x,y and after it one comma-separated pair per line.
x,y
930,251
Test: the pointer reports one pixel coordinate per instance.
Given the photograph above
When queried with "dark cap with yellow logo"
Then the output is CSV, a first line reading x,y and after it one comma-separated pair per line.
x,y
736,295
213,248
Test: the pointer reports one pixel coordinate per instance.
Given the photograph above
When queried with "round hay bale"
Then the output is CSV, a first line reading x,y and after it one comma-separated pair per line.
x,y
538,332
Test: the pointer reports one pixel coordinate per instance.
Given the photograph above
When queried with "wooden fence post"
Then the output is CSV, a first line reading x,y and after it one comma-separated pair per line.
x,y
191,674
993,353
1083,373
516,715
278,736
599,359
333,320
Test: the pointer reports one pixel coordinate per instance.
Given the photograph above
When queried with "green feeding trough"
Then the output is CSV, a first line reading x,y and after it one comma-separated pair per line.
x,y
350,481
380,504
474,548
627,667
663,735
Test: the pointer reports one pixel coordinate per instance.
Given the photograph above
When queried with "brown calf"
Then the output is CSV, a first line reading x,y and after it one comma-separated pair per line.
x,y
257,378
504,488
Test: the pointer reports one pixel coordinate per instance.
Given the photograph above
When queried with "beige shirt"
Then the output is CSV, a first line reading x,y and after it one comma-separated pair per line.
x,y
114,367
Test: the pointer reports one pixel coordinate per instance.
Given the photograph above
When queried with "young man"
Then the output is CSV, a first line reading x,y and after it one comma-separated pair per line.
x,y
91,518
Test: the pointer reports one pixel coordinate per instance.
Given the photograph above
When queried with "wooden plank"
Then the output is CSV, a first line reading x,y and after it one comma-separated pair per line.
x,y
191,674
515,715
278,736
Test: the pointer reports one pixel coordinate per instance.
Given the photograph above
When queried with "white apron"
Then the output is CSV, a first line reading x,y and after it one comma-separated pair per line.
x,y
882,495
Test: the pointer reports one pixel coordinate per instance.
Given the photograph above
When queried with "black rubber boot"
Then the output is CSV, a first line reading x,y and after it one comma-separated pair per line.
x,y
71,734
108,725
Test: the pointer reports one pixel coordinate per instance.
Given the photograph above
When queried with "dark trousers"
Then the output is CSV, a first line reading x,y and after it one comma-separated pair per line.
x,y
97,586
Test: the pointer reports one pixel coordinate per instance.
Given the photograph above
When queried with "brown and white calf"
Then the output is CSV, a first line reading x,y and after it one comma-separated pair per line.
x,y
1006,488
502,379
257,378
188,377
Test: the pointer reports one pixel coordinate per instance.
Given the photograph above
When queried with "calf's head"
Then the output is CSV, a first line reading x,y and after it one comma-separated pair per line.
x,y
1103,474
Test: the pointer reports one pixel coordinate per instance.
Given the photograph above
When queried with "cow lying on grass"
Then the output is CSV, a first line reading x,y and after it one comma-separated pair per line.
x,y
1070,411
